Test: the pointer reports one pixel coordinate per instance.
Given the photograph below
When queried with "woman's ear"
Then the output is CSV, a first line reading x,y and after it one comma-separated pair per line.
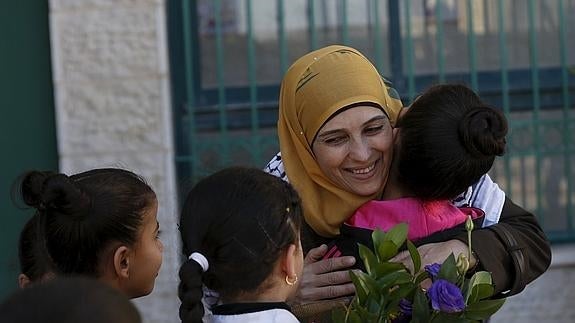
x,y
122,262
395,131
23,281
395,134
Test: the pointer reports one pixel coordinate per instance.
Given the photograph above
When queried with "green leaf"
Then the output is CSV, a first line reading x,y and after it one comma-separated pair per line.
x,y
401,292
368,257
369,287
415,257
338,315
448,318
480,287
362,314
386,250
373,305
421,277
479,292
397,278
465,289
448,270
421,312
354,317
397,234
361,289
377,236
480,277
483,309
385,268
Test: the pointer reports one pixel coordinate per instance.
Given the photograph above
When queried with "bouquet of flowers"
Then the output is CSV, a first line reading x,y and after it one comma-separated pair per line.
x,y
392,292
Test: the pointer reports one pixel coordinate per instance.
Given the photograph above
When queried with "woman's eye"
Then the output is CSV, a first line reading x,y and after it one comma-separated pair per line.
x,y
334,140
373,130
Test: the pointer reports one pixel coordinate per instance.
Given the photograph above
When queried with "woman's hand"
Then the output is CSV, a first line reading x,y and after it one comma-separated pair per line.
x,y
324,279
435,253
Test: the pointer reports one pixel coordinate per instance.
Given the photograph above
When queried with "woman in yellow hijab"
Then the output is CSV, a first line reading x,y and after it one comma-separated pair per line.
x,y
316,88
335,123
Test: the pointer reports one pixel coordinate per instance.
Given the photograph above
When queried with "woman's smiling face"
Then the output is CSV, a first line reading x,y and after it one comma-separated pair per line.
x,y
354,149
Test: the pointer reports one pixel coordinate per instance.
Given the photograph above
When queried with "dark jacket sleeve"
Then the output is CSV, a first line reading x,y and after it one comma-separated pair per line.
x,y
515,250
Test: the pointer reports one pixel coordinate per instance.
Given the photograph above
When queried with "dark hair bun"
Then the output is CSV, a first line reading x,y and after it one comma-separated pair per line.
x,y
482,132
48,191
31,187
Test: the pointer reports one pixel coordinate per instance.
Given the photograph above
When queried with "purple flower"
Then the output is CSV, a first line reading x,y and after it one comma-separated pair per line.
x,y
433,269
446,297
405,310
405,306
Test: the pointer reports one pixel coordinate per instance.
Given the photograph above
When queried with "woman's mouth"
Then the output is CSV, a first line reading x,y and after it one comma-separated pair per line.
x,y
363,170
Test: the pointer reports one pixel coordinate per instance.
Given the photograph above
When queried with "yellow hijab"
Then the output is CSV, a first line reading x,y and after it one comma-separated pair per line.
x,y
317,86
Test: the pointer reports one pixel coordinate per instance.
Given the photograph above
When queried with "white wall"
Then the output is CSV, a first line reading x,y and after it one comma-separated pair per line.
x,y
111,86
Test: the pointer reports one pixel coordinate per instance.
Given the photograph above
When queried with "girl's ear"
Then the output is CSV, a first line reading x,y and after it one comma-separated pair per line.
x,y
23,281
291,262
122,262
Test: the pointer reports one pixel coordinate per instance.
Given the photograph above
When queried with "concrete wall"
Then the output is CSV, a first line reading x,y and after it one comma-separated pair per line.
x,y
111,86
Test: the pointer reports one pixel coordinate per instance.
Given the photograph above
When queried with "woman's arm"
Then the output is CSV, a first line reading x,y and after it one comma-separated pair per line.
x,y
515,250
511,245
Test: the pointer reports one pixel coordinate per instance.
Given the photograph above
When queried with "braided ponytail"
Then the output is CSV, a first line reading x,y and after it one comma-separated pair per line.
x,y
241,220
190,292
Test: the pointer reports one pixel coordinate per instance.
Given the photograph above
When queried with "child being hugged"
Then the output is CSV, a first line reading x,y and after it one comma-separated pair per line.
x,y
240,230
444,143
100,223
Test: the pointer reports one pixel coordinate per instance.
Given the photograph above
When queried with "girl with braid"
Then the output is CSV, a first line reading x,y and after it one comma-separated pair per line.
x,y
240,231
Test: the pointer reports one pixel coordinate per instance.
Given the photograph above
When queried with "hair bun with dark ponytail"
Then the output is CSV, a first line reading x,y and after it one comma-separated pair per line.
x,y
48,191
31,187
449,138
482,132
82,215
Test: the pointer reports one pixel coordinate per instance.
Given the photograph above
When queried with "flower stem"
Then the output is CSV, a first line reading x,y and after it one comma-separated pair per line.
x,y
469,228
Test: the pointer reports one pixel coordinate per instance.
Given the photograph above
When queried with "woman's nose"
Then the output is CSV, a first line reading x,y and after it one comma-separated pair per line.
x,y
360,150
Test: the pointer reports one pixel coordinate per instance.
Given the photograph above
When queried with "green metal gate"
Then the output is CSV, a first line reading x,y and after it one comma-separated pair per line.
x,y
228,58
27,125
